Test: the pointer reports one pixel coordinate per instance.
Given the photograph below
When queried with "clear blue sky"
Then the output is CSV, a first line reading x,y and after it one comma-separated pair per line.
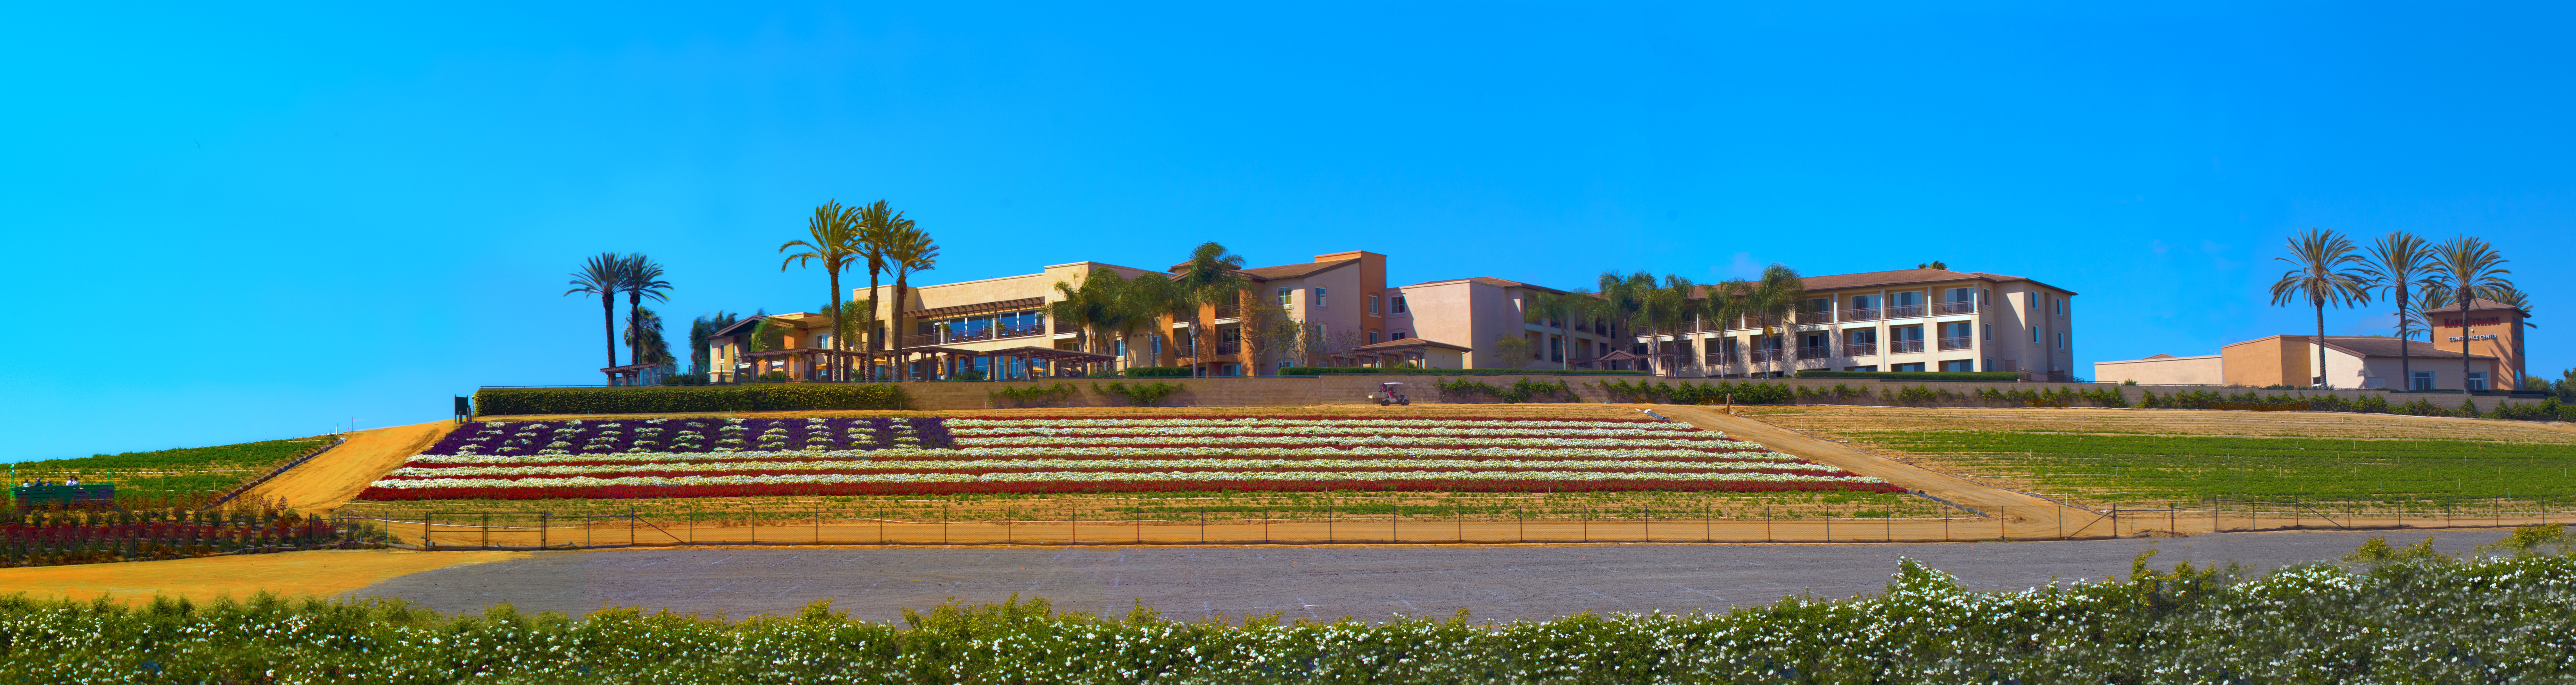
x,y
235,224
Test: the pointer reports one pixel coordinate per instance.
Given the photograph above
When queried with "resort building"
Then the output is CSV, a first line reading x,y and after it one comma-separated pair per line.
x,y
1905,320
1471,314
2369,362
795,347
2492,329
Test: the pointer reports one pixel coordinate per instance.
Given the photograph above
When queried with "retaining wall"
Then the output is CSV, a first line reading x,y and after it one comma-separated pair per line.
x,y
1356,388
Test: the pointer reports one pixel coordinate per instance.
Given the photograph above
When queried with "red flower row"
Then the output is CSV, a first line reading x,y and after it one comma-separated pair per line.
x,y
1189,469
884,458
1309,417
856,489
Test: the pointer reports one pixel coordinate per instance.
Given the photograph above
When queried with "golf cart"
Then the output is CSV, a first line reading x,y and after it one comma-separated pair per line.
x,y
1391,393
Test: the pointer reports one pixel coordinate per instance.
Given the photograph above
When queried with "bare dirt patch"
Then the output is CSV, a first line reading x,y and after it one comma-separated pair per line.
x,y
321,573
337,476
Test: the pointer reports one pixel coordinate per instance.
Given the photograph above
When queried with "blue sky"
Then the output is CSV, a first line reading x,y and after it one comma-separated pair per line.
x,y
260,223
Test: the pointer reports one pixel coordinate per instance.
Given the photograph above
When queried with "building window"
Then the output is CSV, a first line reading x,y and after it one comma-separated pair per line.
x,y
1158,345
1373,338
1287,296
1118,347
2034,336
1232,370
1990,363
1396,306
1372,305
1319,298
1990,331
1399,334
2033,299
1872,367
2061,340
1959,365
2477,380
1917,366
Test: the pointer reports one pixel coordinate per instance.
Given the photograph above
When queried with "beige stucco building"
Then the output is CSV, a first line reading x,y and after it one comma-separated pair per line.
x,y
2369,362
1904,320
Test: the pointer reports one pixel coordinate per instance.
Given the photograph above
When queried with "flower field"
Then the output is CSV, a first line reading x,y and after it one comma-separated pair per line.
x,y
715,457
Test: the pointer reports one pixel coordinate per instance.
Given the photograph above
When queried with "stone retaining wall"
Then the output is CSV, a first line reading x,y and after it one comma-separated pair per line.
x,y
1356,388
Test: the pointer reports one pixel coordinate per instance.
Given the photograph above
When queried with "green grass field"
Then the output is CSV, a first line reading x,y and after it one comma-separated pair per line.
x,y
2159,469
173,473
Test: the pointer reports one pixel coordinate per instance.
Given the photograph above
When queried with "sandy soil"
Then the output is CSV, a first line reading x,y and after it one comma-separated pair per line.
x,y
331,480
1843,420
323,572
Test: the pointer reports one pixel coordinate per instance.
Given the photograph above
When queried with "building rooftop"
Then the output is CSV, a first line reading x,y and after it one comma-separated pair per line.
x,y
2475,305
2376,346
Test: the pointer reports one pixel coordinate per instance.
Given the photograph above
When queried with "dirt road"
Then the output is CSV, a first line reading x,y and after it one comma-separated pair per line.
x,y
323,572
337,476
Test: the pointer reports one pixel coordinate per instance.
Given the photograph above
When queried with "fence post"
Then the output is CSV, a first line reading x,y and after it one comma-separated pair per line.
x,y
424,530
487,530
943,524
2115,520
545,525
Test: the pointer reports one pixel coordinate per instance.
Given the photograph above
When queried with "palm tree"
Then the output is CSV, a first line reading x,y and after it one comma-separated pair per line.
x,y
877,227
603,275
1667,308
1213,276
1149,298
1780,292
1621,300
643,280
910,250
831,237
2396,262
1725,302
1091,307
2468,267
644,336
1560,308
2325,270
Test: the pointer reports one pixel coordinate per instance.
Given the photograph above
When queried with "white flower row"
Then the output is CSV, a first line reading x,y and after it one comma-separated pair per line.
x,y
939,455
1108,477
1099,464
1324,430
1348,440
954,424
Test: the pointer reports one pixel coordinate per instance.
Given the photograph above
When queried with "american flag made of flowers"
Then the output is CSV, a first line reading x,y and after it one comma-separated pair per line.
x,y
732,457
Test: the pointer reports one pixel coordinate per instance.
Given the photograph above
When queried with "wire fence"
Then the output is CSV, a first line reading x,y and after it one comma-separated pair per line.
x,y
1346,521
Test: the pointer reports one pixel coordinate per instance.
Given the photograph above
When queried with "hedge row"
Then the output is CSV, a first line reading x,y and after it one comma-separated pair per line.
x,y
1330,370
684,399
1158,372
1954,376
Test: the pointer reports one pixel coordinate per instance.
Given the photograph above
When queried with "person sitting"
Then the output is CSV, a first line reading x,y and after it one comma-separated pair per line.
x,y
74,481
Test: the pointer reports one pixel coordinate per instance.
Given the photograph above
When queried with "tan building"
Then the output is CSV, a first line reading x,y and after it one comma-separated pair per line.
x,y
2491,329
2369,362
1474,313
800,351
1904,320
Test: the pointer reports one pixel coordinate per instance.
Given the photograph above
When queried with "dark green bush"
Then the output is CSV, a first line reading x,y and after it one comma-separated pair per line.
x,y
1141,394
1158,372
1748,392
1522,390
687,399
1032,396
1954,376
1330,370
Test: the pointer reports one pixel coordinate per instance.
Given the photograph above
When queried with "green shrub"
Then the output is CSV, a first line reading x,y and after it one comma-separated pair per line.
x,y
1158,372
1032,396
1332,370
686,399
1748,392
1141,394
1519,391
1954,376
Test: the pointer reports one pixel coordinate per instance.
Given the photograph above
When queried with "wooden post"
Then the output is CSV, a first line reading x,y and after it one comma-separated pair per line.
x,y
487,530
424,530
545,523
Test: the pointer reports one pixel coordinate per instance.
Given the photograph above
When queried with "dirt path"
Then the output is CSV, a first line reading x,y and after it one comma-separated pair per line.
x,y
1967,493
331,480
325,573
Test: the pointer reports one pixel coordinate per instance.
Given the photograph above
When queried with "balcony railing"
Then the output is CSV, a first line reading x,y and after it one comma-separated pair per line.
x,y
1229,311
1867,349
1020,331
1905,346
1904,311
1957,343
1868,314
1760,356
1815,352
1959,307
1229,348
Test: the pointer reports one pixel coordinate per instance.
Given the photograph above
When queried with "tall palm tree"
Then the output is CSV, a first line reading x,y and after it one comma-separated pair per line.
x,y
877,227
1773,298
644,336
1212,275
603,275
643,280
1667,308
911,250
1622,298
2398,261
1560,308
831,237
2325,269
2468,267
1155,298
1091,307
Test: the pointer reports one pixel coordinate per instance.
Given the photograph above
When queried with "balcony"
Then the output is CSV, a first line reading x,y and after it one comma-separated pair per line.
x,y
1760,356
1020,331
1869,314
1867,349
1960,307
1957,343
1904,311
1905,346
1229,312
1227,348
1815,352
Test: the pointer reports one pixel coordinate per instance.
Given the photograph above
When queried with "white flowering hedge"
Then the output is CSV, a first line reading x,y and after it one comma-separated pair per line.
x,y
2436,621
